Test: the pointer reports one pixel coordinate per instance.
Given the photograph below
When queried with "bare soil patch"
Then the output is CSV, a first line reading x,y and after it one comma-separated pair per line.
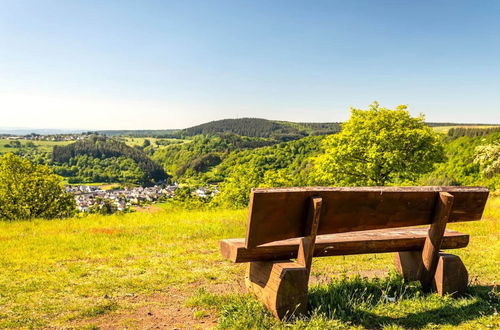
x,y
147,209
165,310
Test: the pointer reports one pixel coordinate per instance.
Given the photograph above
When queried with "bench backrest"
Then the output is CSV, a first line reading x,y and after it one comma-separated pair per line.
x,y
280,213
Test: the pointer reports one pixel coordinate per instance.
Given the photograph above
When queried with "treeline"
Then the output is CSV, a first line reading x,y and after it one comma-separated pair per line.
x,y
98,148
252,127
456,132
434,124
157,133
257,127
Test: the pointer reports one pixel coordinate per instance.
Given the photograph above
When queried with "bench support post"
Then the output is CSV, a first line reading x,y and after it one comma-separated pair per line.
x,y
451,276
282,285
442,272
430,252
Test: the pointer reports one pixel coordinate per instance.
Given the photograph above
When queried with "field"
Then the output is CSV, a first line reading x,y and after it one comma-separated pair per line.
x,y
43,146
162,267
445,129
139,141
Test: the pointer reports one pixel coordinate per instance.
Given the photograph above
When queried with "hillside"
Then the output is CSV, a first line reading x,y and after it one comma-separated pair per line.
x,y
258,127
102,159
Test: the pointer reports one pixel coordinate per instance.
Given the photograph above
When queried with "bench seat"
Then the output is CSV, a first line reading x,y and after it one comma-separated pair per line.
x,y
361,242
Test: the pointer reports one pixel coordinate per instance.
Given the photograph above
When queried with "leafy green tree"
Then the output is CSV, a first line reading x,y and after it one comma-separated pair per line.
x,y
30,190
376,147
488,156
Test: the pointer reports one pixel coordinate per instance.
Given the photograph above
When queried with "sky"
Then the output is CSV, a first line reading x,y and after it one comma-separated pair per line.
x,y
174,64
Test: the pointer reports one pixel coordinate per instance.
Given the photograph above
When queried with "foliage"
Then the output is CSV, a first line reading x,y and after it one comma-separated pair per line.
x,y
98,148
185,198
460,167
488,156
103,206
286,164
29,191
376,147
202,152
88,169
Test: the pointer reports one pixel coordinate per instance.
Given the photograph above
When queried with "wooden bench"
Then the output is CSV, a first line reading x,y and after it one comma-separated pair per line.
x,y
283,224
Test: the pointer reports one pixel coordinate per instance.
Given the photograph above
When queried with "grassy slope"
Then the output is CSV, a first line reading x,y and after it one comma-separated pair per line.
x,y
56,273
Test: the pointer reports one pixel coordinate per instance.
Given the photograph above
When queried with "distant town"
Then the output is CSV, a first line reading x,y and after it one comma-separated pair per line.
x,y
90,197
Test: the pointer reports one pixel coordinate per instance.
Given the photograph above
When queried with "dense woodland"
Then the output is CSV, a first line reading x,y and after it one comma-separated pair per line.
x,y
256,127
102,159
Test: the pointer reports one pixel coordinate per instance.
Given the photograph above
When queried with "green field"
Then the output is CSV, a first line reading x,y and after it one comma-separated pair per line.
x,y
43,146
445,129
163,267
139,141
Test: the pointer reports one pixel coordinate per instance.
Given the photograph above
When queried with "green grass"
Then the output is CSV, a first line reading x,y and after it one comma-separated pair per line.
x,y
44,146
55,273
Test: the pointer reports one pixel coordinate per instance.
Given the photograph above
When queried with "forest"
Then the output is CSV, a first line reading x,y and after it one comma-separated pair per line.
x,y
102,159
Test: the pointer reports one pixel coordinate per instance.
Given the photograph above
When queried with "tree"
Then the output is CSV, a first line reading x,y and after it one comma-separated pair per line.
x,y
488,156
376,147
30,190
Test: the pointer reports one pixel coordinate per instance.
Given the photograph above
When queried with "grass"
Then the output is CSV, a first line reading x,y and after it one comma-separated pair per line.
x,y
64,272
44,146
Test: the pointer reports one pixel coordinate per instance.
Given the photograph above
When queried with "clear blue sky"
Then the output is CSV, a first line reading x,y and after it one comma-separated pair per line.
x,y
172,64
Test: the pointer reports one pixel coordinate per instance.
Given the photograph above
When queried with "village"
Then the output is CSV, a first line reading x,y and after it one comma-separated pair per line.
x,y
89,198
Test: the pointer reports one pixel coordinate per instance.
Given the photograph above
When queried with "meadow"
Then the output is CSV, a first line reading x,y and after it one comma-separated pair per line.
x,y
162,267
42,146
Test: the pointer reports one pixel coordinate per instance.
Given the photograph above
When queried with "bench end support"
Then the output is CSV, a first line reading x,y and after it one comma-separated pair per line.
x,y
451,276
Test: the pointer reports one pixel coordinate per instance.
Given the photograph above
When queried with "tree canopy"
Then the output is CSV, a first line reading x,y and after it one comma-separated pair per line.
x,y
30,190
98,158
378,146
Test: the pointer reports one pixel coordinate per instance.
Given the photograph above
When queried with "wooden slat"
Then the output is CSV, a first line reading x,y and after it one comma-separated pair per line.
x,y
280,213
372,241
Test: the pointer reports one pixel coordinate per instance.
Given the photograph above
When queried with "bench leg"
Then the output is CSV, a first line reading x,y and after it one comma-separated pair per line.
x,y
407,264
451,276
280,285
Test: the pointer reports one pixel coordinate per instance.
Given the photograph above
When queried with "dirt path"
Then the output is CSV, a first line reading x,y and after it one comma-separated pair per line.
x,y
166,310
158,311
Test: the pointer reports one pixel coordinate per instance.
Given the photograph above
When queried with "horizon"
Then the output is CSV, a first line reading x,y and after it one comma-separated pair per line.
x,y
65,130
169,65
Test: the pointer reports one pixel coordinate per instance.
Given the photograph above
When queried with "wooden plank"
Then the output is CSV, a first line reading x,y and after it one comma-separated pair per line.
x,y
372,241
279,213
430,252
306,246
